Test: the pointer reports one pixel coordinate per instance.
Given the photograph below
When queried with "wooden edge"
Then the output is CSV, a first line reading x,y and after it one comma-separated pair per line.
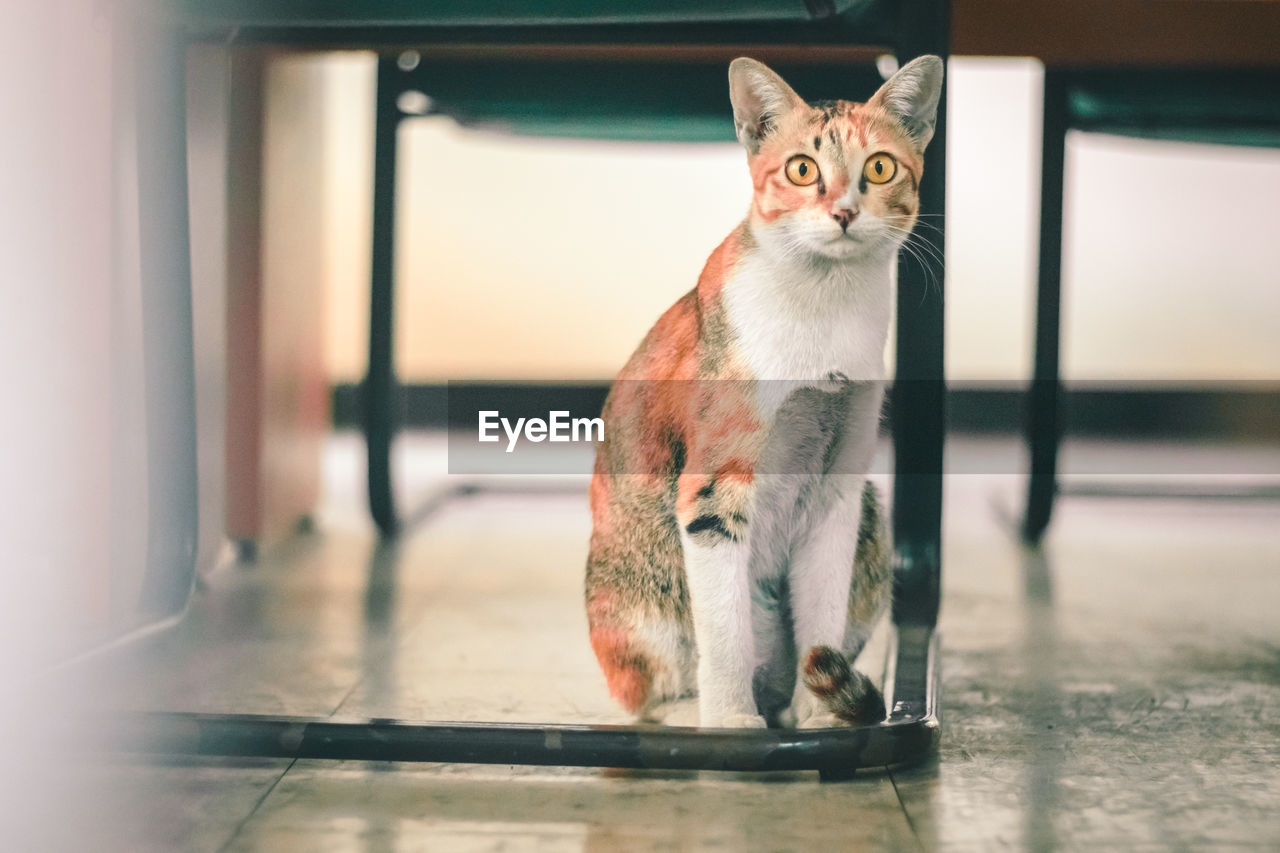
x,y
1121,33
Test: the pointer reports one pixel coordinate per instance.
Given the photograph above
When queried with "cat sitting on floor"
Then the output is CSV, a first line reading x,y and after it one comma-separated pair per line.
x,y
738,558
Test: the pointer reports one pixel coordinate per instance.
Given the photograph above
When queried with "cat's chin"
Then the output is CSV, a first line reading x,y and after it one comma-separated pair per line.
x,y
843,247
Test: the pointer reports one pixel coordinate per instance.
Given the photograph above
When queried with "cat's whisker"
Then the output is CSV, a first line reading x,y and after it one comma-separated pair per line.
x,y
917,223
930,250
922,247
925,253
929,226
899,229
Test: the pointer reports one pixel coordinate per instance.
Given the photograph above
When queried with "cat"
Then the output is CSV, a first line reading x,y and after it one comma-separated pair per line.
x,y
738,559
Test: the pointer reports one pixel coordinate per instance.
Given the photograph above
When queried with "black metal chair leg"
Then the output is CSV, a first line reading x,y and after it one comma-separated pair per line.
x,y
1043,415
381,390
919,392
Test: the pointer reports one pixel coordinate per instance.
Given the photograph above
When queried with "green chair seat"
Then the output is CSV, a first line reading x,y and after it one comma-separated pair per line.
x,y
507,13
1233,108
626,100
586,94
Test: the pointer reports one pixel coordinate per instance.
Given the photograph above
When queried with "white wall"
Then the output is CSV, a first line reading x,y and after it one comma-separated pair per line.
x,y
543,258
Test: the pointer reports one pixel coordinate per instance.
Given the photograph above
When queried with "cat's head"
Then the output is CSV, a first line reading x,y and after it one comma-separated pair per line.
x,y
838,180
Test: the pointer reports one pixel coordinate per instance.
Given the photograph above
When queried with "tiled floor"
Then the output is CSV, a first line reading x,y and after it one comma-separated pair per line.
x,y
1119,690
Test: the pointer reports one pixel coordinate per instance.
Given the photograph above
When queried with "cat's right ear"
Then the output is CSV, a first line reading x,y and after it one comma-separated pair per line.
x,y
911,96
759,98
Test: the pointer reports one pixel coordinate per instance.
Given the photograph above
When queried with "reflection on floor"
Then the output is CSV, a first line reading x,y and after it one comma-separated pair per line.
x,y
1119,690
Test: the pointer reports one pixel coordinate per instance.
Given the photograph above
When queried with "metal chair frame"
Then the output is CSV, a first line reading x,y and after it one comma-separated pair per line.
x,y
911,730
1250,103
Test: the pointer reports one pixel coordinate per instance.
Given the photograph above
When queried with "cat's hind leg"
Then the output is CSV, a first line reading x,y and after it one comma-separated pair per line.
x,y
647,662
636,600
677,712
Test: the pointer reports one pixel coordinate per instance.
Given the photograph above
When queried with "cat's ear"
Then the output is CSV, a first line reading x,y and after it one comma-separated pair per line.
x,y
759,98
911,96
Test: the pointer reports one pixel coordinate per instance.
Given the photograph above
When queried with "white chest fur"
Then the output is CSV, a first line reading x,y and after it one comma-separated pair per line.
x,y
805,323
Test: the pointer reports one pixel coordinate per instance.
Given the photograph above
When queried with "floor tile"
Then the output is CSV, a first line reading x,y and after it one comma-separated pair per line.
x,y
159,804
1119,689
458,807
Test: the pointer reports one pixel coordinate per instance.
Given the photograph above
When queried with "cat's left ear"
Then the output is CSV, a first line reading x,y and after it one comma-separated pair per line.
x,y
911,96
759,98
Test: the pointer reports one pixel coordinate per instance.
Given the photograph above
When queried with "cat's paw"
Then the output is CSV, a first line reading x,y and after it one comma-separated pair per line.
x,y
737,721
822,721
807,712
835,381
680,712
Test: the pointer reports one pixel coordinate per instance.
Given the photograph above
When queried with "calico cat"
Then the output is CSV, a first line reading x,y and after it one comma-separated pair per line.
x,y
738,558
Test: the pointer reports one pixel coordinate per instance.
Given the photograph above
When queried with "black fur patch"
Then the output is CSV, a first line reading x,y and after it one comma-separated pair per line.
x,y
709,524
847,693
678,452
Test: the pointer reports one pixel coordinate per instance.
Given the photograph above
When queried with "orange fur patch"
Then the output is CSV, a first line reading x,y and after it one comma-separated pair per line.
x,y
737,471
625,670
717,270
687,493
600,495
837,187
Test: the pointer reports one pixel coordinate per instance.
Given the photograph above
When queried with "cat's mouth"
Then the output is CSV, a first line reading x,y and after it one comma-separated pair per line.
x,y
843,244
851,230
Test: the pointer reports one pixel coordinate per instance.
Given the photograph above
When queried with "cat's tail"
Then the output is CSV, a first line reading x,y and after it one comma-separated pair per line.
x,y
847,693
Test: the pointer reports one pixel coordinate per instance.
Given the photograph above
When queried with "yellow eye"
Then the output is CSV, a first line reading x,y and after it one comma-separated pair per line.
x,y
880,168
801,170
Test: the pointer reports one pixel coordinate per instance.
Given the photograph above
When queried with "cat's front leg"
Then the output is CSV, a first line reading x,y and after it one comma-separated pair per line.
x,y
714,530
821,573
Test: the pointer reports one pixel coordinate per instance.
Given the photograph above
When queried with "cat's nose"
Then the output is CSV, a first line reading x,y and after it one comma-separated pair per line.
x,y
844,216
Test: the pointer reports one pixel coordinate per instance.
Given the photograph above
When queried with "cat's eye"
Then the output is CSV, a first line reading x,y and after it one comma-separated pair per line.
x,y
802,170
880,168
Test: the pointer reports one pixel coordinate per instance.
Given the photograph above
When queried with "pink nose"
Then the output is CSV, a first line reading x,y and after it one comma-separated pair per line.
x,y
844,216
